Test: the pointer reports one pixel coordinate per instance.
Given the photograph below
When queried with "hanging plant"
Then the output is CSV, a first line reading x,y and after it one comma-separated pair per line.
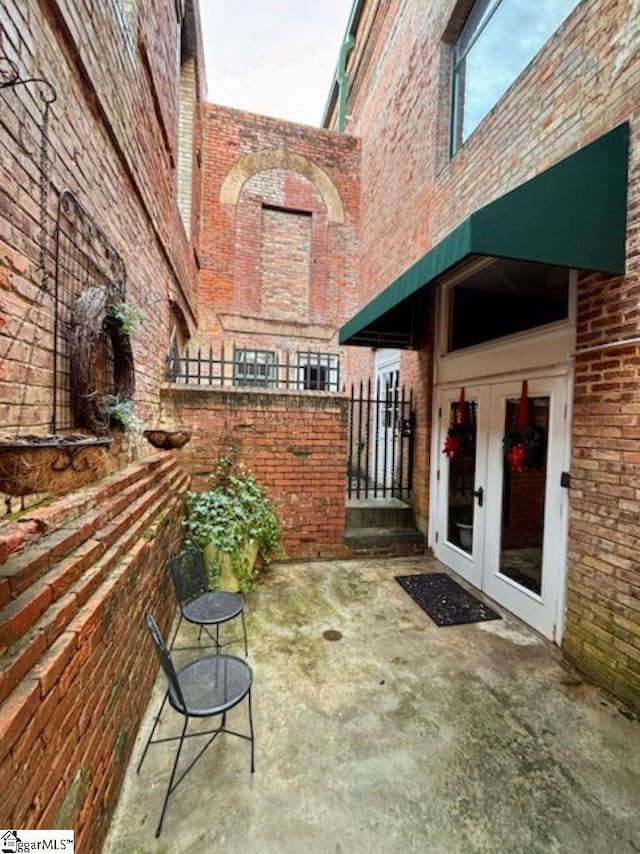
x,y
51,464
524,444
462,433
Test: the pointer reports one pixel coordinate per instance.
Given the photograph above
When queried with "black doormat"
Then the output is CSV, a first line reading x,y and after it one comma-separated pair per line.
x,y
444,600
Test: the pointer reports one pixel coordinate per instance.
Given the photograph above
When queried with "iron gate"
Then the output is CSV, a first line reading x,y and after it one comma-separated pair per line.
x,y
381,426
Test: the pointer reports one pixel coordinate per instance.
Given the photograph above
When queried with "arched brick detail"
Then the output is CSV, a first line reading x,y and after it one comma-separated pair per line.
x,y
278,158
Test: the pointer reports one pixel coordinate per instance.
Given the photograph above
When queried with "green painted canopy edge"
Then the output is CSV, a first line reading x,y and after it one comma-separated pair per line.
x,y
572,214
453,248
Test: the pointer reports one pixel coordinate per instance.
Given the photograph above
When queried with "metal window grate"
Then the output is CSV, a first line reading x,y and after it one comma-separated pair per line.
x,y
318,371
254,367
264,369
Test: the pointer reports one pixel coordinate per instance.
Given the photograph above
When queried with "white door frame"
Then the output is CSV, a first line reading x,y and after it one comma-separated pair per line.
x,y
480,567
538,353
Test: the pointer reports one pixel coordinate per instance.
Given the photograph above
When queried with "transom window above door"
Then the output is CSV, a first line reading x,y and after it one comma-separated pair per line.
x,y
503,298
497,42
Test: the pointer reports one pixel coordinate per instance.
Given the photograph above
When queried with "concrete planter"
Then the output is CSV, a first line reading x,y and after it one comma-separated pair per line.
x,y
214,556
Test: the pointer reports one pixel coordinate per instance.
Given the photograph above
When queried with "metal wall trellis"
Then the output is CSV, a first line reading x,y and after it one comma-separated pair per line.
x,y
25,111
24,153
381,427
84,259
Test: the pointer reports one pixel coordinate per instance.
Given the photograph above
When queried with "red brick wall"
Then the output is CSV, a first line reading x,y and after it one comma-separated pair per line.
x,y
68,721
603,595
294,443
76,682
241,276
113,132
285,243
584,81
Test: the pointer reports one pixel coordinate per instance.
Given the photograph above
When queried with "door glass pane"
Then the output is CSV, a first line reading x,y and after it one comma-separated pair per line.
x,y
462,467
386,435
522,526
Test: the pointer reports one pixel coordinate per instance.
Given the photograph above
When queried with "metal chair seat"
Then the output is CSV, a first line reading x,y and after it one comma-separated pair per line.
x,y
198,604
211,685
213,607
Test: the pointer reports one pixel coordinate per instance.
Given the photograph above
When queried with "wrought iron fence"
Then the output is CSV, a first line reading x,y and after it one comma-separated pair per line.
x,y
302,370
381,427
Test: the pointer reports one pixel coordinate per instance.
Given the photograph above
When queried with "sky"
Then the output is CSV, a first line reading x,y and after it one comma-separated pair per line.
x,y
276,57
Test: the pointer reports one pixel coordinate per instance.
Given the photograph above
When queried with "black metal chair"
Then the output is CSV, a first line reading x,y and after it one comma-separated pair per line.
x,y
198,604
206,687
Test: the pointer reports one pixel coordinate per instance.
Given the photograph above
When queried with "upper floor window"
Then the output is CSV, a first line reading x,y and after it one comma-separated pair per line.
x,y
498,40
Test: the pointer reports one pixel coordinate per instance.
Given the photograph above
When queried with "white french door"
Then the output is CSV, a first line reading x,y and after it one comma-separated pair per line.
x,y
504,530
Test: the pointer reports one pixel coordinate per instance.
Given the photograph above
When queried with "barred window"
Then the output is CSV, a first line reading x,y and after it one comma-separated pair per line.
x,y
254,367
317,371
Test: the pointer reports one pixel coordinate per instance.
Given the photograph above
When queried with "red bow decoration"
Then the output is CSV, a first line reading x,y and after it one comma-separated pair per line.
x,y
523,409
516,456
519,443
461,435
451,446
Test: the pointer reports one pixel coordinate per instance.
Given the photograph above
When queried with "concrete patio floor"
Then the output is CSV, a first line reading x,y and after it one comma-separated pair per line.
x,y
399,737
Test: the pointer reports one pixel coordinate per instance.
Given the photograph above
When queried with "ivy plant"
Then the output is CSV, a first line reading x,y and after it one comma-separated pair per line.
x,y
232,513
120,412
127,315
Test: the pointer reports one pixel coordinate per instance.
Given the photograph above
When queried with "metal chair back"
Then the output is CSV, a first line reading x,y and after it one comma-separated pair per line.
x,y
164,658
214,684
189,575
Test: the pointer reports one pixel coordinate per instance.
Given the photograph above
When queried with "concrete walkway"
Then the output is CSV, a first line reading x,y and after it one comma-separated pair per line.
x,y
399,737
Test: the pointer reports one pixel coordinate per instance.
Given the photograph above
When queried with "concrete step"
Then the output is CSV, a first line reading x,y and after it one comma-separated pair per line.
x,y
368,538
378,513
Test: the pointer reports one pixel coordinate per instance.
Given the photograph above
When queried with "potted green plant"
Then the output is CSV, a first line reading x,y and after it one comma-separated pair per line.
x,y
235,526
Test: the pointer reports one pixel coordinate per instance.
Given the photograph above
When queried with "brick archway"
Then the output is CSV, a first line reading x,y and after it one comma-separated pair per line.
x,y
278,158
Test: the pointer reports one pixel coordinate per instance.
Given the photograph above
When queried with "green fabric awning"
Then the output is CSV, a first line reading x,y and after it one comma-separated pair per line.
x,y
571,215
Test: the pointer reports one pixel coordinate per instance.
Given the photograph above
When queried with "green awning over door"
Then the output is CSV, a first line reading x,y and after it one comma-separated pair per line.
x,y
571,215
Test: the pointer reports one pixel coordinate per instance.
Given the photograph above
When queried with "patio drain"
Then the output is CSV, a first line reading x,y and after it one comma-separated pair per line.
x,y
332,635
